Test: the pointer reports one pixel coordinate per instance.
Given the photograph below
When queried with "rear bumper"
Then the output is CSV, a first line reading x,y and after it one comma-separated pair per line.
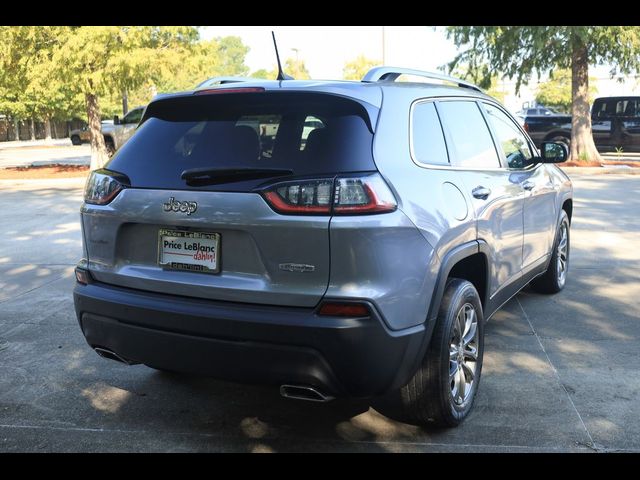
x,y
248,343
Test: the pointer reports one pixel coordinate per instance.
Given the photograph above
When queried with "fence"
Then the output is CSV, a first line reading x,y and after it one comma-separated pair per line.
x,y
59,129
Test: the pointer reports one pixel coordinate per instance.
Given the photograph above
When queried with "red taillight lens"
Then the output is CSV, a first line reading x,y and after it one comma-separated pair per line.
x,y
368,194
301,197
101,188
526,127
339,196
335,309
213,91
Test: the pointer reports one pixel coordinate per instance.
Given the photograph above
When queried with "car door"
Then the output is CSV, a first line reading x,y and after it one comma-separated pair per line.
x,y
630,120
497,200
601,115
539,212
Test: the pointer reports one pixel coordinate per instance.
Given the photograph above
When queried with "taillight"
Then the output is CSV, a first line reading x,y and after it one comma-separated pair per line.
x,y
301,197
368,194
343,195
102,187
214,91
526,127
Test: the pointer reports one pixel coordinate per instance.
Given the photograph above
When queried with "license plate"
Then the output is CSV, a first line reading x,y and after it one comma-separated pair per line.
x,y
192,251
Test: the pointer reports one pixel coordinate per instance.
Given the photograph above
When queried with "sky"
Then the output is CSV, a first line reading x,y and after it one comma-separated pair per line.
x,y
325,50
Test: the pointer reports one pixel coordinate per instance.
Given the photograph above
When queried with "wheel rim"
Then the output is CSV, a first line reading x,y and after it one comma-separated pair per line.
x,y
562,253
463,355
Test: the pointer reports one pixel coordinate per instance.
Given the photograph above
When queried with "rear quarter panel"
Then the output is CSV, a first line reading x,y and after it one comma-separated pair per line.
x,y
433,203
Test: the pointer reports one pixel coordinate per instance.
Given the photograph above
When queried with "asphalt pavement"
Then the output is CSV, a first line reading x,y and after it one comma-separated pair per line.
x,y
42,153
559,373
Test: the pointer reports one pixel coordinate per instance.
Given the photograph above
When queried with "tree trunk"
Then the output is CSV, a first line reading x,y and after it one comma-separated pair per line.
x,y
16,129
47,128
32,129
99,154
582,146
125,103
55,129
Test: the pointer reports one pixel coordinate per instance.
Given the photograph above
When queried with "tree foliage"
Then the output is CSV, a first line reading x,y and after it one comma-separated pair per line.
x,y
358,67
520,51
556,92
292,66
53,71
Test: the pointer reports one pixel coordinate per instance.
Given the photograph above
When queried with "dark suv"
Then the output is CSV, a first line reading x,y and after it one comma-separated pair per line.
x,y
332,238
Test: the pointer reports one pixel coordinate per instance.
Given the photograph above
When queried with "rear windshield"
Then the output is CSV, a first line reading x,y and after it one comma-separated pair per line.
x,y
310,134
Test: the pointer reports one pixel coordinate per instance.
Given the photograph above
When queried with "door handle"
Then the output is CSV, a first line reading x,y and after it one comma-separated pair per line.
x,y
481,192
528,185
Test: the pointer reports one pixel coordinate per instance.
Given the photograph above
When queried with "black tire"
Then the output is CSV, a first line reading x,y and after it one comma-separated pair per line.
x,y
551,280
428,398
75,140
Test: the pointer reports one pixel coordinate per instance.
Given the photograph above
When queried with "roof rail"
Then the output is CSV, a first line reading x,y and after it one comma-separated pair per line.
x,y
210,82
390,74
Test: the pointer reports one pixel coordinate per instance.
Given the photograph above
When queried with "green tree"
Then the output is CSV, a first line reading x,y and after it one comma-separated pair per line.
x,y
296,68
357,68
107,59
479,75
519,51
265,74
556,92
27,87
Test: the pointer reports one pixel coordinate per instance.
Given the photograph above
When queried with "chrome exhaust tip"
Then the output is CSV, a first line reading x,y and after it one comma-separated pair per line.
x,y
303,392
111,355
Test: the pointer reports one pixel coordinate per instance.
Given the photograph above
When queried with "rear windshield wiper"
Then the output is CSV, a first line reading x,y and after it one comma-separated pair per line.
x,y
198,177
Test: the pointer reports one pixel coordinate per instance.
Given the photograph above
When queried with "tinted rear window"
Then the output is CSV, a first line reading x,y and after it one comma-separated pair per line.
x,y
310,134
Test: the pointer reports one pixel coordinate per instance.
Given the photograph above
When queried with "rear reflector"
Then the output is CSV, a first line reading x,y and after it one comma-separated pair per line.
x,y
333,309
212,91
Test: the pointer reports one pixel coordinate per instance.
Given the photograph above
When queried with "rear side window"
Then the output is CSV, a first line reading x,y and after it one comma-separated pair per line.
x,y
427,136
626,107
470,143
308,133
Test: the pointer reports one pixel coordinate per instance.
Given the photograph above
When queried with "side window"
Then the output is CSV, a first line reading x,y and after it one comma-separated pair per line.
x,y
311,123
470,144
133,116
626,108
513,143
427,137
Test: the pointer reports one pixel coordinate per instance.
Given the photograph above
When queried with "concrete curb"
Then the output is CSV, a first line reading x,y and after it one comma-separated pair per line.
x,y
606,170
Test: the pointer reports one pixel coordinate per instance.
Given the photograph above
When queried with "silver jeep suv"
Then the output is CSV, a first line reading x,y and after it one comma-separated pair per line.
x,y
336,239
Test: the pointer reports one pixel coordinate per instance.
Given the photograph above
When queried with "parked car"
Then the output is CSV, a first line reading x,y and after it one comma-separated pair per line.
x,y
615,123
526,112
80,135
121,130
362,264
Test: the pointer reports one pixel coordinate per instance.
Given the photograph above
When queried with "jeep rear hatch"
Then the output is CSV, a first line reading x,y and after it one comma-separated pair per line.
x,y
193,219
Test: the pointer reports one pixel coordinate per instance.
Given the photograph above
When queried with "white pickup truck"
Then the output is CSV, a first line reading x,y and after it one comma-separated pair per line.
x,y
116,134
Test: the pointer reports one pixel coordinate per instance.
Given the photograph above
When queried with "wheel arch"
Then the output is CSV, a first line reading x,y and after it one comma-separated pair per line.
x,y
457,260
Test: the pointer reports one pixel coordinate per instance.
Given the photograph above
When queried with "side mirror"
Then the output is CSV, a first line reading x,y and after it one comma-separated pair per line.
x,y
116,120
553,152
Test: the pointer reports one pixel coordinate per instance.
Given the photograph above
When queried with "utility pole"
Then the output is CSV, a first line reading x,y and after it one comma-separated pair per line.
x,y
383,49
